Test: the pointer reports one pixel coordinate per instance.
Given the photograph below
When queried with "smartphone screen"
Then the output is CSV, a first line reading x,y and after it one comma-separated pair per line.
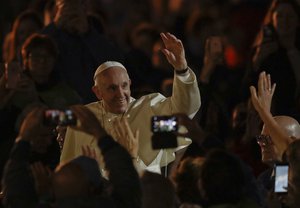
x,y
164,124
281,178
54,117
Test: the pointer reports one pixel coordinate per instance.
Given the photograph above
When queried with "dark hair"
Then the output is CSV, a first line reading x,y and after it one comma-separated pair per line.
x,y
268,17
39,41
186,178
222,178
26,15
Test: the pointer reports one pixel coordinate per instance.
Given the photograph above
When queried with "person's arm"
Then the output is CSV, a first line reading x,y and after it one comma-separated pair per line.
x,y
261,100
213,57
185,96
122,173
197,134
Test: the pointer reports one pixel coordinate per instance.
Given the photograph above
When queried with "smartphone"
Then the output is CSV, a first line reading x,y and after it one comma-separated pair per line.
x,y
12,73
164,129
281,178
54,117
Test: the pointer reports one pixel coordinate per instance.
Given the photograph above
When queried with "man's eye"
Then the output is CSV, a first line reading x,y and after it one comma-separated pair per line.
x,y
112,88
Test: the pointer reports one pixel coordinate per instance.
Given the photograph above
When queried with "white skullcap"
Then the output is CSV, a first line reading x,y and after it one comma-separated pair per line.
x,y
106,65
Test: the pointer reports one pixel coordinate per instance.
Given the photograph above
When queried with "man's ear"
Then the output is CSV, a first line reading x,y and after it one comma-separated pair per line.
x,y
97,92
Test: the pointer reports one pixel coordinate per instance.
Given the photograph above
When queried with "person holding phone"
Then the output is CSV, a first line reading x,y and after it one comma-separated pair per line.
x,y
112,88
277,133
220,87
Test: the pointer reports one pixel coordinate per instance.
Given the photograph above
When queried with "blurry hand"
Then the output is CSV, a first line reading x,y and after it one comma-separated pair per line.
x,y
87,121
174,51
214,50
126,138
61,133
194,131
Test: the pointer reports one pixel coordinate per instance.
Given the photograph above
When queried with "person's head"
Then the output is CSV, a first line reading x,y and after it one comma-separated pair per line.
x,y
78,178
157,191
269,151
25,24
32,127
39,53
186,178
143,37
70,181
285,17
222,178
71,16
112,86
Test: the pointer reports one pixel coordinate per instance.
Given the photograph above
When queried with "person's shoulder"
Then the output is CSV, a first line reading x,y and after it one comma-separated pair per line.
x,y
152,97
92,105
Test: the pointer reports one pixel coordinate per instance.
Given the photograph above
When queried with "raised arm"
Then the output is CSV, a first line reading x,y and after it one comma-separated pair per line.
x,y
185,95
261,99
174,52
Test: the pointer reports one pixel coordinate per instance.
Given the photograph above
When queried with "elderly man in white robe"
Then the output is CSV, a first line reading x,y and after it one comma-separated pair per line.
x,y
112,88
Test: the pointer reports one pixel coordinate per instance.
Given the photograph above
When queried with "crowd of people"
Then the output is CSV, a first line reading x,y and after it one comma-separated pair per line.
x,y
81,81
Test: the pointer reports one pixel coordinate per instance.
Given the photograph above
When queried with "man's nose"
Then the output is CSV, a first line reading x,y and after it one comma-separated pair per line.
x,y
120,92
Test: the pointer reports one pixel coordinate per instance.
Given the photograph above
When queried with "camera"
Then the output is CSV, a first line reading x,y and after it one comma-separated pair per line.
x,y
54,117
164,129
281,178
